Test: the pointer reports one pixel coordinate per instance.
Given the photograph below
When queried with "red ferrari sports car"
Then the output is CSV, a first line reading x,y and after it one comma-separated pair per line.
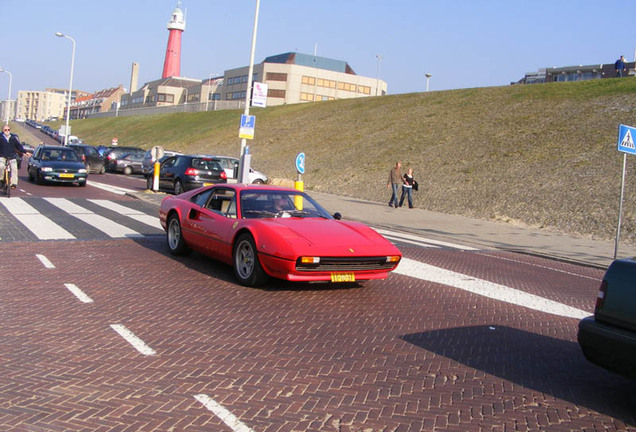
x,y
265,231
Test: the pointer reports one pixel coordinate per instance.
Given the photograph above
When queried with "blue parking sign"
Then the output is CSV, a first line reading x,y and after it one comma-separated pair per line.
x,y
626,139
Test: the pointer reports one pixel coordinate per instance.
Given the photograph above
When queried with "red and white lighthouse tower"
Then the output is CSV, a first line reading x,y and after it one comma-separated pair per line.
x,y
172,62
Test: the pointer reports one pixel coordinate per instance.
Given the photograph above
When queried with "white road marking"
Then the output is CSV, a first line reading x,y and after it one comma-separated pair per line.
x,y
132,339
488,289
137,215
45,261
228,418
405,237
103,224
41,226
110,188
78,293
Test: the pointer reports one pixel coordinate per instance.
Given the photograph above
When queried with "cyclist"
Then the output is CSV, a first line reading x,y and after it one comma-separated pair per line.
x,y
10,150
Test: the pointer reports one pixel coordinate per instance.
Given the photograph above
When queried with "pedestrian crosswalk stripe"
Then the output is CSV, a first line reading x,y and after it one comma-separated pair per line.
x,y
110,188
41,226
137,215
103,224
421,241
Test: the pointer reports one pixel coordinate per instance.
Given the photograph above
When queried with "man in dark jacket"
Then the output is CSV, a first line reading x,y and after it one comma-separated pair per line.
x,y
621,67
10,150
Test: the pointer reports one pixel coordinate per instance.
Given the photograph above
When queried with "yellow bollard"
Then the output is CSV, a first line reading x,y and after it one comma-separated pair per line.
x,y
298,200
155,177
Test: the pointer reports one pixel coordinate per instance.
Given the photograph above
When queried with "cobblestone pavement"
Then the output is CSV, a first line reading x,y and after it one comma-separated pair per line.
x,y
396,355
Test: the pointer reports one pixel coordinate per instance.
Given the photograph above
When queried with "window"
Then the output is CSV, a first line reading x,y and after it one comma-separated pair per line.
x,y
307,97
347,87
364,89
308,80
273,76
223,202
273,93
163,97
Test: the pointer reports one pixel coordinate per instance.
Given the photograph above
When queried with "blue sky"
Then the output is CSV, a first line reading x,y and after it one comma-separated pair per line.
x,y
462,43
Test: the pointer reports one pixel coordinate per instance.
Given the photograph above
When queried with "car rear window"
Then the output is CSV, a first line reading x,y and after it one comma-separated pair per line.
x,y
206,164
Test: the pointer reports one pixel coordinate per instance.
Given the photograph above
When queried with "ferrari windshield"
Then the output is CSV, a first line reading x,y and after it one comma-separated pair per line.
x,y
280,204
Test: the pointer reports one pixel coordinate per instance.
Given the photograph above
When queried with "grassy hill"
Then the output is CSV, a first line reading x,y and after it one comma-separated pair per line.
x,y
542,155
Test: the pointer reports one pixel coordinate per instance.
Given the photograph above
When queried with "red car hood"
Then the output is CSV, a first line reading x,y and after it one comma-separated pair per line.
x,y
328,237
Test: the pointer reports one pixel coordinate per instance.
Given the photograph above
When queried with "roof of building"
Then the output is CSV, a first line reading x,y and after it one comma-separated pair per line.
x,y
311,61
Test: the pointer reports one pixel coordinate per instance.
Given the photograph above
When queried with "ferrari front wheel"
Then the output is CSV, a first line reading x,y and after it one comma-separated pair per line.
x,y
247,267
176,244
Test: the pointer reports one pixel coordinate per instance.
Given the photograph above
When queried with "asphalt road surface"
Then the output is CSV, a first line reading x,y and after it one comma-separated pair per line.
x,y
103,330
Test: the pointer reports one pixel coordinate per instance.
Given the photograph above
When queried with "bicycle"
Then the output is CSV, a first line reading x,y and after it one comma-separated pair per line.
x,y
6,178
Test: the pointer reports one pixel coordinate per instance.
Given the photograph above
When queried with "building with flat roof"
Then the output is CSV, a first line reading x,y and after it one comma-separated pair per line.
x,y
295,78
574,73
40,105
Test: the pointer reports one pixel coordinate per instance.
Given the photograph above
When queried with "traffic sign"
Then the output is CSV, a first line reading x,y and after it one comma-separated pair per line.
x,y
246,130
626,136
300,163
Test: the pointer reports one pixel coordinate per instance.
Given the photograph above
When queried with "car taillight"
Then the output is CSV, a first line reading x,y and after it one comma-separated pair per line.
x,y
600,298
223,175
191,172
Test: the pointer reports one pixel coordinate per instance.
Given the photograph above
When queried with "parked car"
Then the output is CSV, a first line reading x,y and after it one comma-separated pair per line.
x,y
182,173
129,164
231,166
27,147
113,153
93,161
297,239
608,338
148,164
57,164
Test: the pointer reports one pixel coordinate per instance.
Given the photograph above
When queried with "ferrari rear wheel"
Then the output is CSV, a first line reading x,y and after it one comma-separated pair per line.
x,y
176,244
247,267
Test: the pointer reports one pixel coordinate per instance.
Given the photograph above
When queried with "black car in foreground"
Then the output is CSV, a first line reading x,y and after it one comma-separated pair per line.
x,y
608,338
182,173
56,164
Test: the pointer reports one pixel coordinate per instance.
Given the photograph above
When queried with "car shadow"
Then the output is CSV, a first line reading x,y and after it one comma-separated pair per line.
x,y
223,272
545,364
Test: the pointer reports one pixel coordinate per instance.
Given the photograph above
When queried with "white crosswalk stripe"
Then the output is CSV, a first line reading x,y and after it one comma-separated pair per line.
x,y
103,224
403,237
115,221
37,223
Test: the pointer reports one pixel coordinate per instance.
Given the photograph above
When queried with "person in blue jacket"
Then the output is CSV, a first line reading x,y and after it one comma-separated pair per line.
x,y
620,67
10,150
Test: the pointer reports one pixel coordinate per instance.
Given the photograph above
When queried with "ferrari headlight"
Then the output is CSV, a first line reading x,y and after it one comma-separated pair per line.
x,y
310,260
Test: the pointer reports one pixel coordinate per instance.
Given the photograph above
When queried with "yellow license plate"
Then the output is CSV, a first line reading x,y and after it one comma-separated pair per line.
x,y
343,277
208,184
67,175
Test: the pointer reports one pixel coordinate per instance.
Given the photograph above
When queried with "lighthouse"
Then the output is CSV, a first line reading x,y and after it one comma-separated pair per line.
x,y
176,26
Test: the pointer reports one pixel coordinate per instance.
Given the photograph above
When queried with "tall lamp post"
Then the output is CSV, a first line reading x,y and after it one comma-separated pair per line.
x,y
8,107
377,82
248,93
428,77
70,86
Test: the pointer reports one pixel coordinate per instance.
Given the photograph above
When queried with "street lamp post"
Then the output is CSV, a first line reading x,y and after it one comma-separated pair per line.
x,y
248,94
428,77
70,86
8,107
377,83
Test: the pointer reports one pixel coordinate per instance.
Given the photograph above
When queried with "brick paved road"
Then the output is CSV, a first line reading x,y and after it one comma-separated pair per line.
x,y
396,355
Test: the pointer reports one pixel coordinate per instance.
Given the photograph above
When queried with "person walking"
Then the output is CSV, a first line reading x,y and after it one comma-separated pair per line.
x,y
395,180
621,67
10,150
407,188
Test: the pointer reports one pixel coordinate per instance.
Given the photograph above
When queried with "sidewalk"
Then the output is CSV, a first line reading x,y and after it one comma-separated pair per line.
x,y
466,231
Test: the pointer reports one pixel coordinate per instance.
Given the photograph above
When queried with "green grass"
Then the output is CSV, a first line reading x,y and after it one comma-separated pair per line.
x,y
539,155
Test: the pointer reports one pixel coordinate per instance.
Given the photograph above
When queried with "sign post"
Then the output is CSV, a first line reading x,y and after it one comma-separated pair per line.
x,y
157,152
625,145
299,184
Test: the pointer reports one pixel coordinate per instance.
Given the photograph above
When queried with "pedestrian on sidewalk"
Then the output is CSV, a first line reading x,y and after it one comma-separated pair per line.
x,y
407,187
395,180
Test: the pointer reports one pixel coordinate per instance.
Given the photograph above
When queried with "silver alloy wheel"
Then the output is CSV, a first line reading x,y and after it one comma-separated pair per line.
x,y
244,259
174,234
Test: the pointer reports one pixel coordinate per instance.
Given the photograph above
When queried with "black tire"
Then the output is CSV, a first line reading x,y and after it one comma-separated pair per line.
x,y
178,187
103,170
174,237
39,179
127,170
258,181
247,267
30,175
83,184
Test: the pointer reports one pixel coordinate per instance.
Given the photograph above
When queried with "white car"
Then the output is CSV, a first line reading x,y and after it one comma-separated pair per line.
x,y
230,165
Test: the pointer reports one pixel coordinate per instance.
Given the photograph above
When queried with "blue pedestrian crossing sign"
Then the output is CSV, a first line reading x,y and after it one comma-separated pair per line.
x,y
626,136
